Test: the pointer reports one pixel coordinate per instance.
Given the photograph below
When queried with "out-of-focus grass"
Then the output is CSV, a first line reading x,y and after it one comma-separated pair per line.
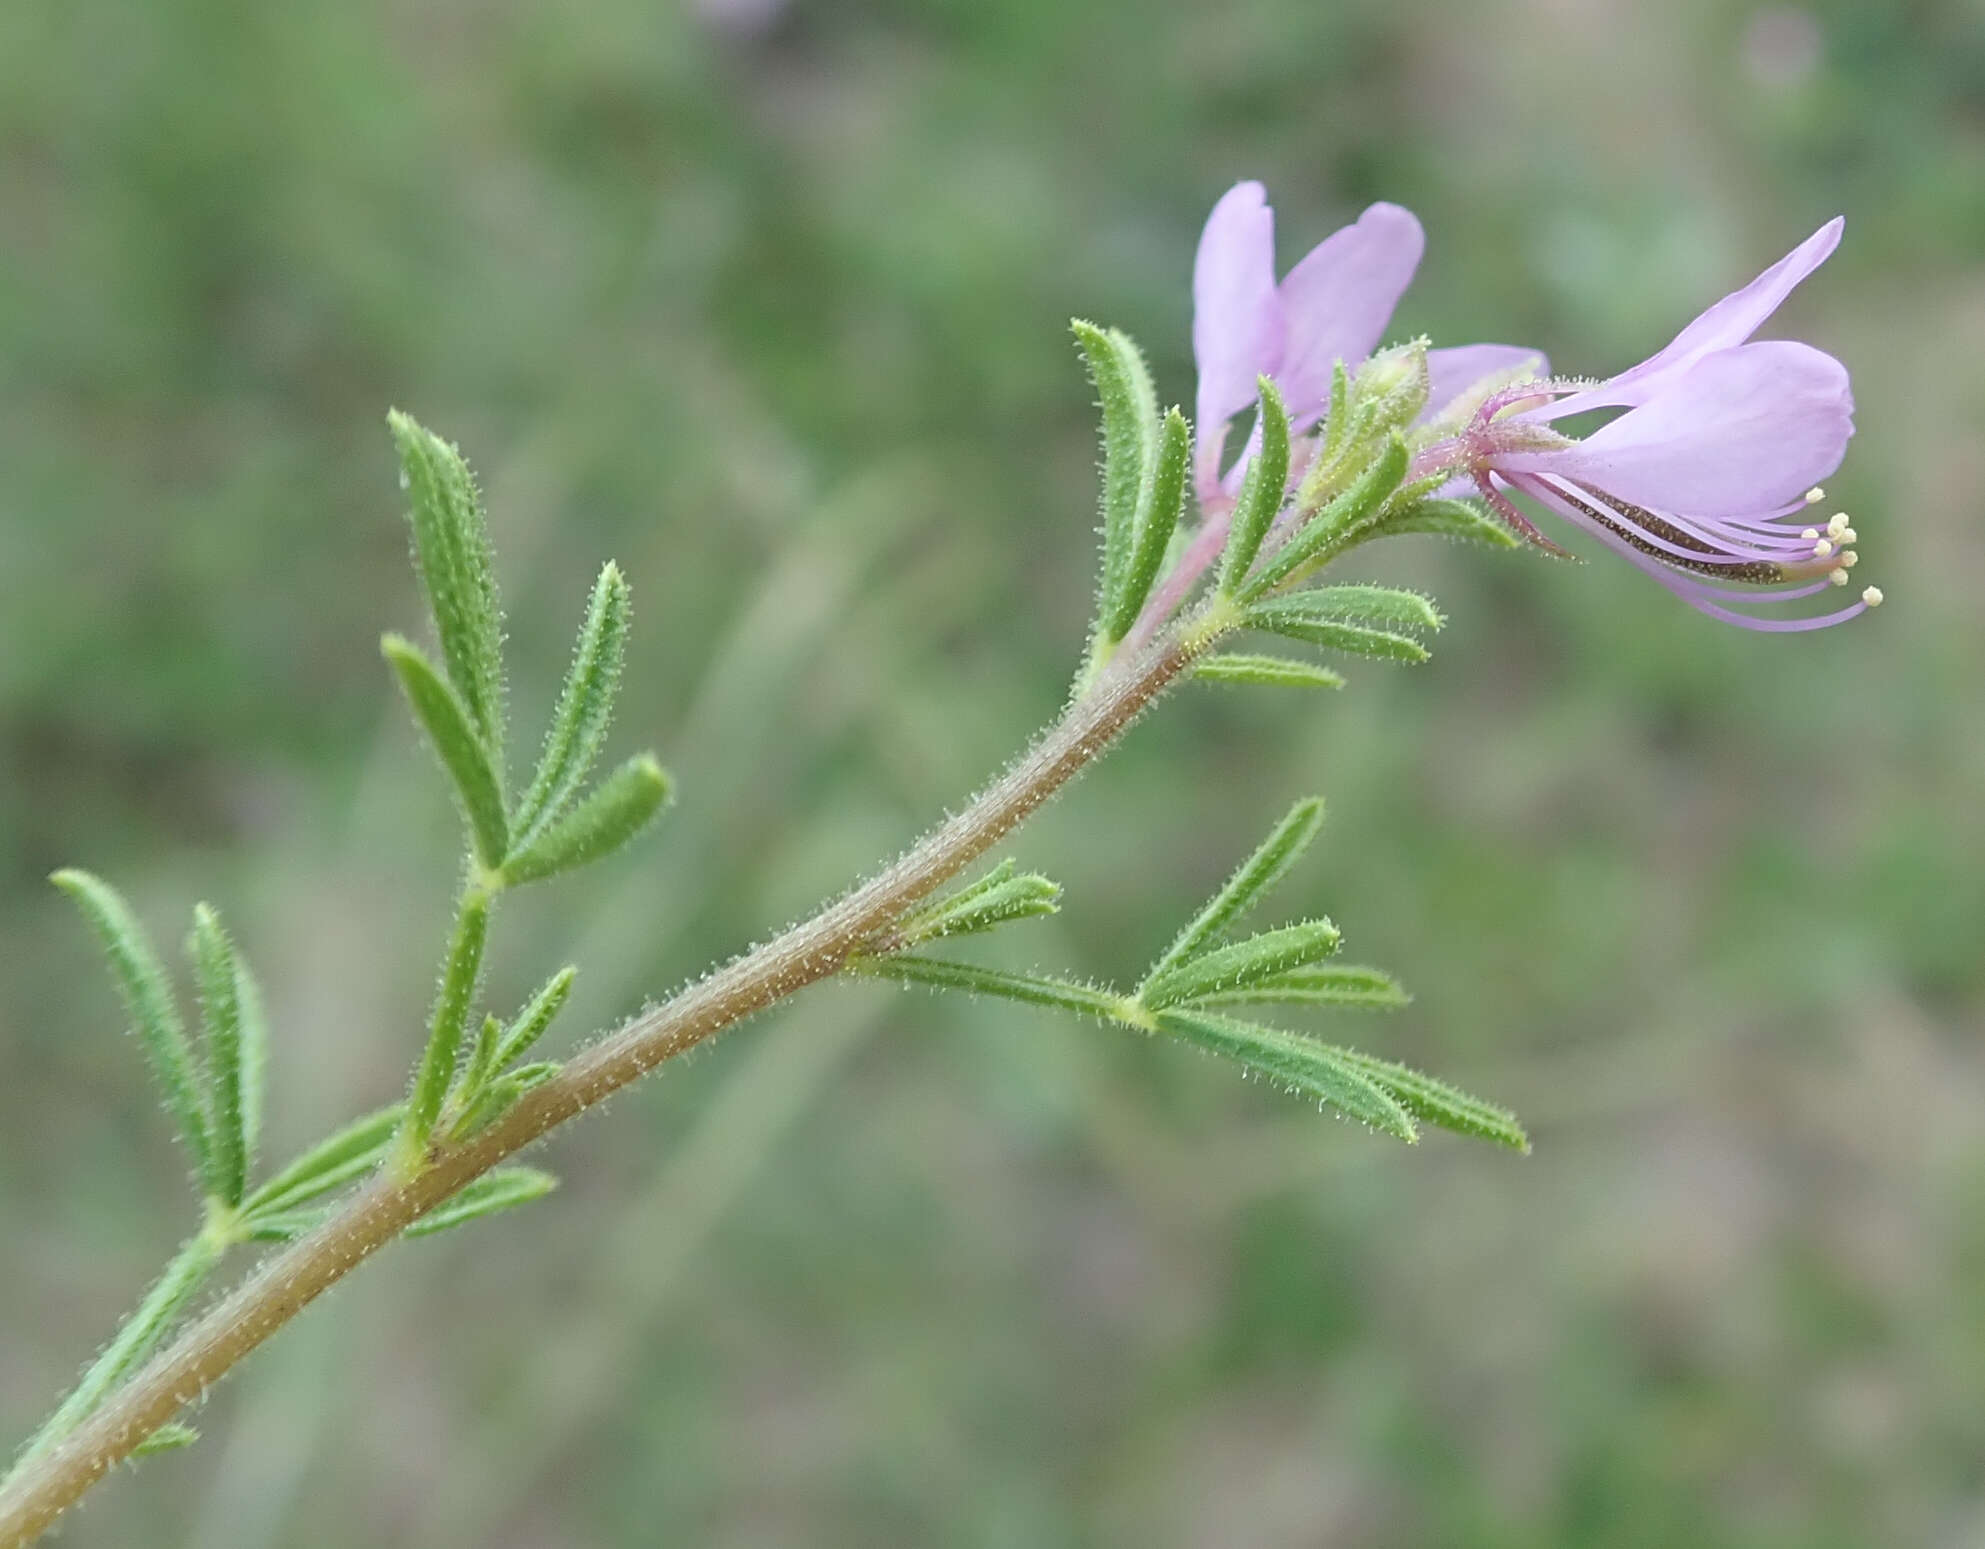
x,y
776,319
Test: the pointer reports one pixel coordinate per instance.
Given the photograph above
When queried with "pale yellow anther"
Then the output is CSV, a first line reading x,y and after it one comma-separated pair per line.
x,y
1849,560
1837,523
1822,549
1872,596
1837,577
1847,535
1815,495
1810,534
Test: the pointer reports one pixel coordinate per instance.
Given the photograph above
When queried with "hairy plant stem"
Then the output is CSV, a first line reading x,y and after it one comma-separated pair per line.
x,y
47,1484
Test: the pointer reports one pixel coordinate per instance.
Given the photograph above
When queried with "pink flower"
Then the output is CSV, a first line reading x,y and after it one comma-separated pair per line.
x,y
1708,474
1335,305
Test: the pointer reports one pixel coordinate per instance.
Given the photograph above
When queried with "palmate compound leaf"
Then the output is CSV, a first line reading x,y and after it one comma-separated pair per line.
x,y
1461,520
148,997
1262,490
460,746
504,1189
1294,1062
585,705
1438,1103
1158,520
1356,640
329,1165
233,1067
1382,607
1245,962
1130,449
1265,671
1250,882
998,898
1345,985
1357,505
452,551
615,811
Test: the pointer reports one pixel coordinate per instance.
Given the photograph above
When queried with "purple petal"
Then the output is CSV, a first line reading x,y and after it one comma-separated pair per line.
x,y
1453,371
1741,432
1339,299
1727,324
1236,319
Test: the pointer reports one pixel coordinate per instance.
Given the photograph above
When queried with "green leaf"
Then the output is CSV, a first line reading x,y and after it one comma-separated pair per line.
x,y
436,1072
154,1014
1250,882
1357,505
254,1057
1459,519
1262,491
585,705
167,1438
481,1063
529,1024
1296,1063
462,751
1270,671
500,1096
1130,448
1296,624
451,548
938,974
619,807
1244,963
333,1162
1158,519
503,1189
1438,1103
1367,988
1373,605
1336,420
996,898
219,974
287,1225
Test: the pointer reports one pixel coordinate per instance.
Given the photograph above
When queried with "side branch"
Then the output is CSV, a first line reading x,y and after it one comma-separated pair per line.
x,y
383,1208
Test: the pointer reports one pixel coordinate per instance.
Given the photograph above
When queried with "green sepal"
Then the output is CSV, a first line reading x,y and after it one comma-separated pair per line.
x,y
1383,606
1297,1063
148,997
169,1437
461,749
1462,520
1245,962
1365,988
452,550
229,1072
938,974
1262,491
504,1189
617,809
1268,671
1273,618
529,1025
1437,1103
1337,520
330,1164
1250,882
1158,519
1337,419
1000,896
585,705
1130,449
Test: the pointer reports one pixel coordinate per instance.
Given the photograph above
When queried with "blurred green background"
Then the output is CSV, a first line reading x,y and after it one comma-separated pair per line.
x,y
768,302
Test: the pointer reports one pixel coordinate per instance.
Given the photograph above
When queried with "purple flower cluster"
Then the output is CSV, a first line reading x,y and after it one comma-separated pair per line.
x,y
1703,478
